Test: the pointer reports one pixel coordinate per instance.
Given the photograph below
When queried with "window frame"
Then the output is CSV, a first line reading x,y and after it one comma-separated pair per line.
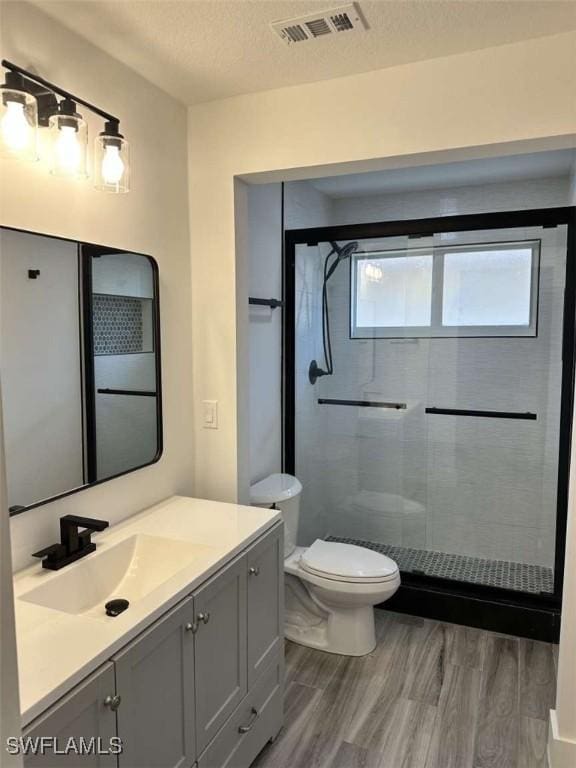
x,y
436,329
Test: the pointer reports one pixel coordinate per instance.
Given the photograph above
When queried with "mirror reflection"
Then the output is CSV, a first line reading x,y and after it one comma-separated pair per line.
x,y
80,364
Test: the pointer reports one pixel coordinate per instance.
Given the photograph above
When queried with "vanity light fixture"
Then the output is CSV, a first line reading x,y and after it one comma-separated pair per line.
x,y
112,160
18,119
28,101
69,140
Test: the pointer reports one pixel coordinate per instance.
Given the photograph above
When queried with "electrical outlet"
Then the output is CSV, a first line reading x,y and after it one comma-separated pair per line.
x,y
210,414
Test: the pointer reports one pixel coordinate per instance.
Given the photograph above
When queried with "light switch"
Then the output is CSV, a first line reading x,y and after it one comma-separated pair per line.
x,y
210,414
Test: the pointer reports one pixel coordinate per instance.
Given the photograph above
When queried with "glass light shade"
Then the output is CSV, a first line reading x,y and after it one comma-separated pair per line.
x,y
68,144
18,124
112,163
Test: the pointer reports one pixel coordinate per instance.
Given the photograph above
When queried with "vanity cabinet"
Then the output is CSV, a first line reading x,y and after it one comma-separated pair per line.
x,y
84,714
253,723
264,565
220,649
204,684
155,680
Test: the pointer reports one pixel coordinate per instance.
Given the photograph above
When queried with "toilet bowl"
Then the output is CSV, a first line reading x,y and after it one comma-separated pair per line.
x,y
331,588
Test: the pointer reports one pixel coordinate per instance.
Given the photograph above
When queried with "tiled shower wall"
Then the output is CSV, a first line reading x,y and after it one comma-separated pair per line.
x,y
479,487
126,426
307,207
456,201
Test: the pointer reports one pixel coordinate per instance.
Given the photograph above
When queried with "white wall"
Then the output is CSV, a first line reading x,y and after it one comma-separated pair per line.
x,y
265,282
9,693
151,219
562,732
303,206
498,101
40,355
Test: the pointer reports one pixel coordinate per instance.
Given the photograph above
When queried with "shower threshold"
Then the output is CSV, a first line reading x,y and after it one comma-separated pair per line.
x,y
505,574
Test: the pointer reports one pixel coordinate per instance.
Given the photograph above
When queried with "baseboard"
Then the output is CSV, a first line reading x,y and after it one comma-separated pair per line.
x,y
561,752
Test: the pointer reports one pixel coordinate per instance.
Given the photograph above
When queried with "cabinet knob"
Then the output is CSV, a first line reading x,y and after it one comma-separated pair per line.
x,y
204,617
190,627
113,702
253,717
254,571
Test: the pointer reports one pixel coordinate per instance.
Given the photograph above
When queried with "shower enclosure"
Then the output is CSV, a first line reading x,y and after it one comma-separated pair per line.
x,y
428,400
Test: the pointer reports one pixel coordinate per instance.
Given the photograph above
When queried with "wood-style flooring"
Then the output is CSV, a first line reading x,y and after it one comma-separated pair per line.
x,y
431,695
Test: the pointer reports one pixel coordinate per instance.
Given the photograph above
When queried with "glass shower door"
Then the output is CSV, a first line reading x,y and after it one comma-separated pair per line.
x,y
434,438
358,432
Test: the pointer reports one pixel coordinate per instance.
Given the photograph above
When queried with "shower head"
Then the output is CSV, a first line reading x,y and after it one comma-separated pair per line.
x,y
344,251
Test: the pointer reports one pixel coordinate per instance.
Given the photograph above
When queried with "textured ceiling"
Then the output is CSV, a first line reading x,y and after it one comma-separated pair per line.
x,y
200,51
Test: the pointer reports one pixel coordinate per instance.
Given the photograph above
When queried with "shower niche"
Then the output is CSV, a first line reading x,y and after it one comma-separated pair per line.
x,y
436,425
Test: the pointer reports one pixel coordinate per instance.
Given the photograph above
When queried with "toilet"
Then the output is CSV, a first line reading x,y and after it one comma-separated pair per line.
x,y
331,588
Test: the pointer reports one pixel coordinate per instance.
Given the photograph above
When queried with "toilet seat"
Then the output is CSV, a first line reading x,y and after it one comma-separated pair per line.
x,y
347,563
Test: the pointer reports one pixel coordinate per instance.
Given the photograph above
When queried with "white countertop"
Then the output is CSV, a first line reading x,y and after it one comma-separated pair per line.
x,y
56,650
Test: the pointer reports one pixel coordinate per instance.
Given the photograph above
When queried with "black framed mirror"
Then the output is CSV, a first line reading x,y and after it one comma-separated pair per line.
x,y
79,363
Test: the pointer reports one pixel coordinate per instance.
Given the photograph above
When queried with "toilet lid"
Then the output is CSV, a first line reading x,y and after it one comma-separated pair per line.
x,y
347,561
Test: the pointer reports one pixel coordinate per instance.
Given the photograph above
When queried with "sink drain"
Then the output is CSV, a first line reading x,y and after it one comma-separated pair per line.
x,y
116,607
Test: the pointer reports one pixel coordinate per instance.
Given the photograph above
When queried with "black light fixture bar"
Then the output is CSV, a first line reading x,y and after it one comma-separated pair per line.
x,y
60,91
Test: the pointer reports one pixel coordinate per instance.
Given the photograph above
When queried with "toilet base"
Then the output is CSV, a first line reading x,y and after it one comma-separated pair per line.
x,y
347,632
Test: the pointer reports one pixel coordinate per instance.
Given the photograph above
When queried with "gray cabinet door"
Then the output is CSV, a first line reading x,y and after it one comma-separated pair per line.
x,y
265,566
220,649
81,716
155,679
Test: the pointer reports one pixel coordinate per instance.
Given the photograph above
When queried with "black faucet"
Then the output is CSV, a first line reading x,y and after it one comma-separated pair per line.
x,y
74,544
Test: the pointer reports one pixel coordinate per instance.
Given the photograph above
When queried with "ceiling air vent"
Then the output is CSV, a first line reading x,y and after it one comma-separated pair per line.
x,y
345,18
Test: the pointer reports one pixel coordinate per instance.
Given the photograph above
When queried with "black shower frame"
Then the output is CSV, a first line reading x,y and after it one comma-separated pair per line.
x,y
493,608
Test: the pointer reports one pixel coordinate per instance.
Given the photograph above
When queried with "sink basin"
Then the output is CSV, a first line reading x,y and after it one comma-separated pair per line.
x,y
131,569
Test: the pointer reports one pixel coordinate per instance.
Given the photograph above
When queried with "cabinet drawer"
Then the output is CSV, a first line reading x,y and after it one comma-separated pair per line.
x,y
260,712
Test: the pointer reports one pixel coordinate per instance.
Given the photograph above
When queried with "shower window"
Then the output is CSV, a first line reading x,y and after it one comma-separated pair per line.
x,y
394,291
472,290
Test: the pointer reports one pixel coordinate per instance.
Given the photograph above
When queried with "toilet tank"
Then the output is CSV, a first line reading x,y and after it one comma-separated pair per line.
x,y
283,492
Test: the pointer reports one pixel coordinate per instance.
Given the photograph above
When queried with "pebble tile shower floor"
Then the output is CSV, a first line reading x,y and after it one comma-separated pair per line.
x,y
505,574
